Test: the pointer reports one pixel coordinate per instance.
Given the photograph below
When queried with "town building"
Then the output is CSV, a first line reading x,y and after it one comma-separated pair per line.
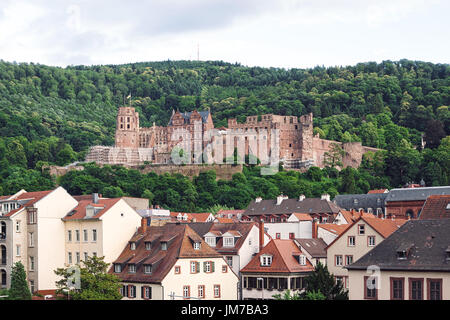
x,y
234,215
98,227
314,250
328,232
279,266
356,240
408,202
411,264
33,233
172,262
374,203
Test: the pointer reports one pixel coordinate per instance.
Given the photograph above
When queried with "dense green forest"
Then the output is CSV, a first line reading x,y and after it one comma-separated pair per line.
x,y
53,115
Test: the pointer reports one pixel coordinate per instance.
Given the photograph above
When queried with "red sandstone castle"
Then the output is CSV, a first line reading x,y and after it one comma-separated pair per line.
x,y
289,139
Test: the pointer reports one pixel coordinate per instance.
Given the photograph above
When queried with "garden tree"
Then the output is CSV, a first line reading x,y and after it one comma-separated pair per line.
x,y
286,295
19,286
348,180
334,157
320,281
95,281
112,192
434,133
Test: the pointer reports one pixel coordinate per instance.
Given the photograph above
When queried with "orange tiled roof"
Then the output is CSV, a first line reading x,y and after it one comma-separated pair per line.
x,y
377,191
436,207
283,260
32,196
334,228
79,212
303,216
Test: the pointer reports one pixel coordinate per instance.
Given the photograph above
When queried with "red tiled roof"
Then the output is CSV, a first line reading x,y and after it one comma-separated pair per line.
x,y
179,245
283,260
224,220
200,217
436,207
32,196
377,191
334,228
303,216
79,212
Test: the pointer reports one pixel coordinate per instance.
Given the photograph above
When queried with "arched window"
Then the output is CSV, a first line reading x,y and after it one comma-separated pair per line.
x,y
2,254
3,278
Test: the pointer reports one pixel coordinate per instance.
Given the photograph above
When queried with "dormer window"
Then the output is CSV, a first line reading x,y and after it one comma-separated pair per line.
x,y
401,255
147,268
228,241
447,252
163,245
132,245
211,241
132,268
148,246
302,260
197,245
117,268
266,260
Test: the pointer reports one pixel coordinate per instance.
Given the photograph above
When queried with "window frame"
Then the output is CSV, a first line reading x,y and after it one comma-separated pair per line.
x,y
410,285
438,280
402,287
349,242
366,296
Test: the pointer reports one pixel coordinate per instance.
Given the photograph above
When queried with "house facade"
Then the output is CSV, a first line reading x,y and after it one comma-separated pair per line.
x,y
172,262
412,264
279,266
356,240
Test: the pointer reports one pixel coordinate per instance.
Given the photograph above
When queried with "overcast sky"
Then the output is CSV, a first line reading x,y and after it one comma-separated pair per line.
x,y
269,33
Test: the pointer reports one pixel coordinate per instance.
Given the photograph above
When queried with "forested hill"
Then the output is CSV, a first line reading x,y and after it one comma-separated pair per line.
x,y
52,114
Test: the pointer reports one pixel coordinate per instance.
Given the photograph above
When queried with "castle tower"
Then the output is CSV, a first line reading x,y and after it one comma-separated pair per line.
x,y
306,136
127,129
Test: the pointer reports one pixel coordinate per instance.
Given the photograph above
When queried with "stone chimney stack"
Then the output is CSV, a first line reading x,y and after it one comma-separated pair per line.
x,y
258,200
302,197
144,225
280,199
95,197
325,196
261,234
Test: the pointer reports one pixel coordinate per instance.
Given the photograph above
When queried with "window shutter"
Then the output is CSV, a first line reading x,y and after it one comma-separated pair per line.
x,y
197,267
128,291
212,266
142,292
149,292
204,266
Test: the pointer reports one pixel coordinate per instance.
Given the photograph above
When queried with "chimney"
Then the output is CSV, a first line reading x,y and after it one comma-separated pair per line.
x,y
261,234
314,229
258,200
95,197
280,199
144,225
302,197
325,196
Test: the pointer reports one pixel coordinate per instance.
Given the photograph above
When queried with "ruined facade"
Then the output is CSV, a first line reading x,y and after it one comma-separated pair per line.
x,y
289,138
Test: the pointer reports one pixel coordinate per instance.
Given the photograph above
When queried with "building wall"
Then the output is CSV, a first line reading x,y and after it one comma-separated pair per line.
x,y
119,224
50,244
326,235
228,281
356,283
82,246
400,209
157,291
340,247
301,229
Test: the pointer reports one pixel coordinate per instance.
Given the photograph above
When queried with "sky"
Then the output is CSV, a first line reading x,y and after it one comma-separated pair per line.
x,y
266,33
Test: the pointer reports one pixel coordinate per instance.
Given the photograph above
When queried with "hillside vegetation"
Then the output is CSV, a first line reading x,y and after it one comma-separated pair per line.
x,y
53,115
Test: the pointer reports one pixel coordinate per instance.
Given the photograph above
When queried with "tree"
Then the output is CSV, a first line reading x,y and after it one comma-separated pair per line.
x,y
287,295
333,158
434,133
19,287
95,281
323,282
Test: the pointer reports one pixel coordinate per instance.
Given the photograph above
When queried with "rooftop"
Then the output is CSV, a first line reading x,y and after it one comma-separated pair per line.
x,y
436,207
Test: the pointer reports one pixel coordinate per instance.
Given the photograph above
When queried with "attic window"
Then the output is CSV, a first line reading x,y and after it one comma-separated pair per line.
x,y
164,245
147,268
133,245
197,245
148,246
403,251
401,255
117,268
211,241
266,260
132,268
228,241
302,260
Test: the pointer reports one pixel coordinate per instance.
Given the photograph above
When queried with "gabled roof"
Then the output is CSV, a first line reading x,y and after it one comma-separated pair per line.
x,y
333,228
187,115
283,261
429,239
416,194
302,216
79,212
32,198
436,207
179,239
385,227
289,206
315,247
